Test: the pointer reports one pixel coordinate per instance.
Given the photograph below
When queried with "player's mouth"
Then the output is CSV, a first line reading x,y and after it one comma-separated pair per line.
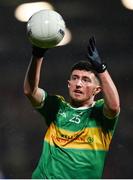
x,y
78,92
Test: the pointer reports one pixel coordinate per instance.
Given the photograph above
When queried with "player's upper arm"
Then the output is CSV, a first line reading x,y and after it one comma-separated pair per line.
x,y
110,113
37,98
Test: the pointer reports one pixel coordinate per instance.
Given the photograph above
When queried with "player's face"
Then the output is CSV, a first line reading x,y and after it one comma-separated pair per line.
x,y
83,86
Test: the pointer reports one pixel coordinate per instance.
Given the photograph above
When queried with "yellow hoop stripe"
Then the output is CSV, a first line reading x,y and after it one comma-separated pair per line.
x,y
89,138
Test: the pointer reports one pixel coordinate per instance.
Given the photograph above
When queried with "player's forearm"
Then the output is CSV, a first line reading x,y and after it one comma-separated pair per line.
x,y
32,77
110,93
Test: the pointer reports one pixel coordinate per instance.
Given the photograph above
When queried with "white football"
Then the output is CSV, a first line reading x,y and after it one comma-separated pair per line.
x,y
46,28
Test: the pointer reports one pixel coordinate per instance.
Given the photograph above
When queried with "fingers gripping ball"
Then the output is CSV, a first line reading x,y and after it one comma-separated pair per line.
x,y
46,28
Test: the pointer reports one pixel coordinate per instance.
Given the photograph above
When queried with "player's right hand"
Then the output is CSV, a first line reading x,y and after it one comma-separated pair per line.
x,y
38,52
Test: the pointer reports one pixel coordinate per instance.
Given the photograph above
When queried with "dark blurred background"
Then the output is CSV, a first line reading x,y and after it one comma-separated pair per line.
x,y
21,127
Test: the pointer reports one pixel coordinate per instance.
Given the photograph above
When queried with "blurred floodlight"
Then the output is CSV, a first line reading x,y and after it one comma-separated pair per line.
x,y
127,4
24,11
67,38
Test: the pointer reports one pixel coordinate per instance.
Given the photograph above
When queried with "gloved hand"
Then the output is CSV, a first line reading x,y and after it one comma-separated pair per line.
x,y
94,57
38,52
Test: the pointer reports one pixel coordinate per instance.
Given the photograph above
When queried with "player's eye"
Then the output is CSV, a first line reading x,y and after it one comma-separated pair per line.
x,y
74,77
86,79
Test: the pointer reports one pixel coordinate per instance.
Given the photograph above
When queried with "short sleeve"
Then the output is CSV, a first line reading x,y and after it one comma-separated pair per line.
x,y
107,124
50,108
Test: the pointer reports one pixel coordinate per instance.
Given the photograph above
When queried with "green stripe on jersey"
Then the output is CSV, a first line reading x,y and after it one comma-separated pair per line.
x,y
63,163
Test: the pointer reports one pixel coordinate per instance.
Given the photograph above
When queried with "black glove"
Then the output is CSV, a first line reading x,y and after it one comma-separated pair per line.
x,y
94,57
38,52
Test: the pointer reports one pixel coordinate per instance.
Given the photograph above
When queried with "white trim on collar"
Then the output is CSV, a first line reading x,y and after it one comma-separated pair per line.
x,y
83,107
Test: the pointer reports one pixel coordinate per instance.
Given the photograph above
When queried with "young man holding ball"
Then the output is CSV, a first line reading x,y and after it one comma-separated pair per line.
x,y
79,132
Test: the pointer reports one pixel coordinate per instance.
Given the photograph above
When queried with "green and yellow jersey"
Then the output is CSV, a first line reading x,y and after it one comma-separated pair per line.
x,y
76,142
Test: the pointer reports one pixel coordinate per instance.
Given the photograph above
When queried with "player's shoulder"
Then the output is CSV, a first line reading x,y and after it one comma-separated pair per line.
x,y
99,103
55,99
61,98
98,106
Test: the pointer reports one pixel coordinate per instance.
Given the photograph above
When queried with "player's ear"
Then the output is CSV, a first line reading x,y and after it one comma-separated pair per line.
x,y
68,84
97,90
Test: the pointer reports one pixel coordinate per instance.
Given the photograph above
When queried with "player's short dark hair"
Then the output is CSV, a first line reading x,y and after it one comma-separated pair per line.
x,y
83,65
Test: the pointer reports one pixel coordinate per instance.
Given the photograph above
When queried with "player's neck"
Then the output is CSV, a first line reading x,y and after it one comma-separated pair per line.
x,y
77,104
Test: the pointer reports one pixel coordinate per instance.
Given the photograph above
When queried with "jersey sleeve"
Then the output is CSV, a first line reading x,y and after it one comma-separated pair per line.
x,y
108,124
50,107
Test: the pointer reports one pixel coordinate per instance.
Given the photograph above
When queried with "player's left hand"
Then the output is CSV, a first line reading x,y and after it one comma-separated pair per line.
x,y
94,57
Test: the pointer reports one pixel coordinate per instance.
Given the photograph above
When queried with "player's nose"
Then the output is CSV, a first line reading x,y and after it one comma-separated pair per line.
x,y
79,83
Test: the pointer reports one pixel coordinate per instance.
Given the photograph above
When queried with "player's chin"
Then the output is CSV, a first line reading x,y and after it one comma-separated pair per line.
x,y
78,98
